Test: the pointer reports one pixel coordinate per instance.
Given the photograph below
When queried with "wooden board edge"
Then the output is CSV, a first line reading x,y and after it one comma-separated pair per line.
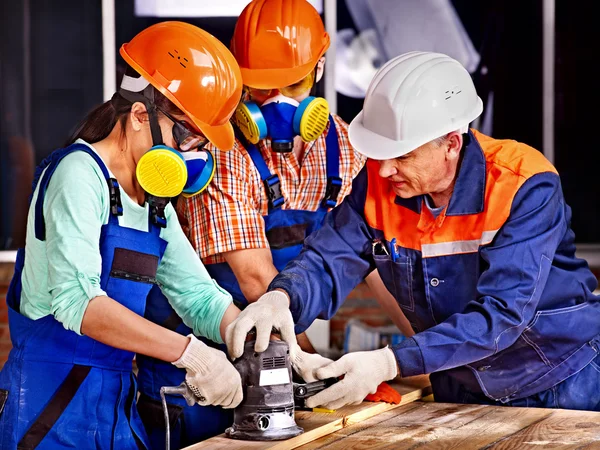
x,y
348,420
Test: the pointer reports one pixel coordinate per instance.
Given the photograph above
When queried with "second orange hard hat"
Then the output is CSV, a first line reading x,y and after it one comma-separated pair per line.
x,y
192,69
278,42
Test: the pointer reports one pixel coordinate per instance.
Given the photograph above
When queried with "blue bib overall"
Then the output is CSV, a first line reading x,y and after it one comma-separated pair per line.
x,y
69,391
286,231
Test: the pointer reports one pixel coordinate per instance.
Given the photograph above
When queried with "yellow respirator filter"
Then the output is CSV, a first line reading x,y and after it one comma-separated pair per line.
x,y
251,122
314,116
162,172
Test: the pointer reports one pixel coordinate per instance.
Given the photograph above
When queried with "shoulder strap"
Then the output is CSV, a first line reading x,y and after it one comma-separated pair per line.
x,y
271,181
334,182
51,163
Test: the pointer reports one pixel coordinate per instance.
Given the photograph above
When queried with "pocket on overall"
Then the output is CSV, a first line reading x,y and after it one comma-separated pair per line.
x,y
398,278
547,331
286,243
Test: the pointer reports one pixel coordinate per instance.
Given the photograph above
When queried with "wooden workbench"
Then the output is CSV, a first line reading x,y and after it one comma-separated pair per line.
x,y
429,425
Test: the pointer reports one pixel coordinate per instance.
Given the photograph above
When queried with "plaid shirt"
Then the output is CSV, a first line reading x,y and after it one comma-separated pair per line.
x,y
228,215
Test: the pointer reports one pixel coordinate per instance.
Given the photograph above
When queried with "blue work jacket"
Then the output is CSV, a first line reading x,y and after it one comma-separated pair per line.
x,y
491,286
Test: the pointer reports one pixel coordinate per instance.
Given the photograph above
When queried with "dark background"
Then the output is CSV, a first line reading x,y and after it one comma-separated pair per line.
x,y
49,83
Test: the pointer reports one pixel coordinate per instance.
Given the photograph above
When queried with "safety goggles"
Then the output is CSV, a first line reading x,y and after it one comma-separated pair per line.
x,y
293,90
186,136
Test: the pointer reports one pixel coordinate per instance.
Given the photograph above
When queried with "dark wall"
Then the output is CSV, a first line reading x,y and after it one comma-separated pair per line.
x,y
49,80
50,76
576,118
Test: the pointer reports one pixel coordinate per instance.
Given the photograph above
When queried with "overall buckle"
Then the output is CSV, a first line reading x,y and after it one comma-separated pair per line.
x,y
273,188
334,186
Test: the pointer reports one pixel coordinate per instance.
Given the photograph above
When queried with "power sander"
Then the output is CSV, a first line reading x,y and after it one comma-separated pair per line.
x,y
267,411
270,395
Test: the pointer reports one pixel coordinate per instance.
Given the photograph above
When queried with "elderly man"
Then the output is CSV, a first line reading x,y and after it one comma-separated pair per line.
x,y
470,234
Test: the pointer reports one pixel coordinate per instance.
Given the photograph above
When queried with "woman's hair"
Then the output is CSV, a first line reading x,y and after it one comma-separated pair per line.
x,y
101,120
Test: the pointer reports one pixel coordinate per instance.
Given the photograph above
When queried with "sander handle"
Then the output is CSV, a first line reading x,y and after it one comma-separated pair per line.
x,y
302,391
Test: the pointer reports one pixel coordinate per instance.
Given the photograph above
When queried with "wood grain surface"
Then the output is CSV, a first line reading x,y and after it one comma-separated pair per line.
x,y
433,426
449,426
317,425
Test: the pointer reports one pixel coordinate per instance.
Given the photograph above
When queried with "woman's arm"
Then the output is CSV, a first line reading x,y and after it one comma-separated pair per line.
x,y
200,302
111,323
230,315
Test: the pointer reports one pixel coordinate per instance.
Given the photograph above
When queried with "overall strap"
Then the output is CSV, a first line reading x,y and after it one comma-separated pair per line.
x,y
51,163
334,182
156,213
271,181
54,408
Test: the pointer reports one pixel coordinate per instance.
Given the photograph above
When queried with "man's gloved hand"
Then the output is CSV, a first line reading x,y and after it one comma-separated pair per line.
x,y
306,364
385,393
363,372
210,375
270,311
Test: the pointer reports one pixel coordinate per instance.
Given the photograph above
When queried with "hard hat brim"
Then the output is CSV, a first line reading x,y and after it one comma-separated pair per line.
x,y
275,78
378,147
221,136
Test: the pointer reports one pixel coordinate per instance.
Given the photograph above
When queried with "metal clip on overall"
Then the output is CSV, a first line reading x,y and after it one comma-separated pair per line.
x,y
157,209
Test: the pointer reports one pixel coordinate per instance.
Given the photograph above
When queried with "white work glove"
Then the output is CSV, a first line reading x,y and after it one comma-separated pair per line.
x,y
363,372
210,375
270,311
306,364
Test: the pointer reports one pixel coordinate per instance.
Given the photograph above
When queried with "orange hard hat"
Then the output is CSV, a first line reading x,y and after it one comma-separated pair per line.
x,y
193,70
278,42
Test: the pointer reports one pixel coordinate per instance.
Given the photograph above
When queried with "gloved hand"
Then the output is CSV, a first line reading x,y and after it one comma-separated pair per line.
x,y
210,375
270,311
385,393
363,372
305,364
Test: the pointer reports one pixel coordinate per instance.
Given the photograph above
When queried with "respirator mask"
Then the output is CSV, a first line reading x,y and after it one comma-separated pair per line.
x,y
281,118
162,171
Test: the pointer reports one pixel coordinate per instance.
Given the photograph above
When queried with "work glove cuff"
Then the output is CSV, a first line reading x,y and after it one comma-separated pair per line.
x,y
278,299
196,357
389,364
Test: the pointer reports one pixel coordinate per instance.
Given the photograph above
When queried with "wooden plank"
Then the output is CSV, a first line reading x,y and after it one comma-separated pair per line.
x,y
404,429
433,426
355,428
564,429
317,425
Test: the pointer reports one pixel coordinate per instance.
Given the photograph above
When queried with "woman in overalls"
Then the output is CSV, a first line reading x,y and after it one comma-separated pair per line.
x,y
100,233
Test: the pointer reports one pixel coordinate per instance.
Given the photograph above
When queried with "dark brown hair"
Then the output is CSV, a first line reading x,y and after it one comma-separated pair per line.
x,y
99,122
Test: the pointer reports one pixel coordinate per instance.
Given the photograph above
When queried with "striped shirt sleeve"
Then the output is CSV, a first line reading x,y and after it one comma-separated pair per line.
x,y
226,216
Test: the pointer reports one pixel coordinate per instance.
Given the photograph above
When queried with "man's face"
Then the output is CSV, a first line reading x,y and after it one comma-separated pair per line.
x,y
419,172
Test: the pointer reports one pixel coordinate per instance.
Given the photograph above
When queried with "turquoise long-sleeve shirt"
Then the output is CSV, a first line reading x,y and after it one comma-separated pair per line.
x,y
62,273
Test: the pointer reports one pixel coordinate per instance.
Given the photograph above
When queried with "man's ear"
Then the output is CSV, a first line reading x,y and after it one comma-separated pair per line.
x,y
454,143
138,116
320,69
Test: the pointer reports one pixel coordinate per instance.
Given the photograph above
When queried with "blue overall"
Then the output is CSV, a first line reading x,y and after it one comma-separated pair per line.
x,y
70,391
286,230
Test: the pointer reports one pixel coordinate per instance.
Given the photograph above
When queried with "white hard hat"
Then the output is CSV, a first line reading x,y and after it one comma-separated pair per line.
x,y
413,99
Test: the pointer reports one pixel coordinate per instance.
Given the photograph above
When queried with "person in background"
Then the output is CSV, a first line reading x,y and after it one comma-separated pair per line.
x,y
100,233
472,236
292,163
